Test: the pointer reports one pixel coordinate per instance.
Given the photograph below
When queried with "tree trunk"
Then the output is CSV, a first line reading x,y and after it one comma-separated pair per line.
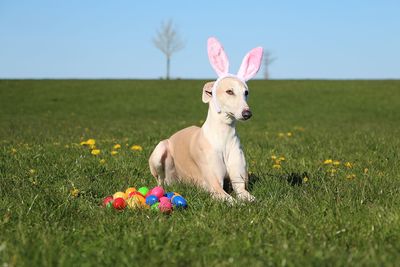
x,y
168,66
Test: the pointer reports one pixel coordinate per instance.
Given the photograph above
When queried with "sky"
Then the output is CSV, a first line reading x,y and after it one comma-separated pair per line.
x,y
309,39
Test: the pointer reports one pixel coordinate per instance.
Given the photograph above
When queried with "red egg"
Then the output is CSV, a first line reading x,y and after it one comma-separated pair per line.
x,y
119,203
107,200
158,191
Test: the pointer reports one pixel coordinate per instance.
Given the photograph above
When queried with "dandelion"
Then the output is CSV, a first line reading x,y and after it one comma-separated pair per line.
x,y
276,166
288,134
89,142
273,157
305,179
336,162
95,152
281,159
113,153
74,192
117,146
328,161
102,161
351,176
365,170
136,148
348,165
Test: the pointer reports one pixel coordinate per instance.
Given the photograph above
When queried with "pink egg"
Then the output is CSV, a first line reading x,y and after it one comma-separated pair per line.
x,y
158,191
165,207
164,199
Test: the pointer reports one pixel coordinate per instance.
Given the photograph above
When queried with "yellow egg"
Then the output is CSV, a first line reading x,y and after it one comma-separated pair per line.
x,y
136,202
120,194
130,190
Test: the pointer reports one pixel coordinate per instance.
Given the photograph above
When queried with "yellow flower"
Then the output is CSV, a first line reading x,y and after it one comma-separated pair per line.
x,y
305,179
89,142
136,148
92,146
336,162
365,170
102,161
289,134
328,161
74,192
113,153
348,165
282,159
351,176
95,152
276,166
273,157
117,146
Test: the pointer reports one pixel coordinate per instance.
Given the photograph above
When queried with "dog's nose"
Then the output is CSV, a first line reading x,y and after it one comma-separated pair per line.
x,y
246,114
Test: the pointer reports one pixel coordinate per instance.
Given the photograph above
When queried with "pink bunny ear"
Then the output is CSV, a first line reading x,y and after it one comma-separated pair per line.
x,y
216,55
251,64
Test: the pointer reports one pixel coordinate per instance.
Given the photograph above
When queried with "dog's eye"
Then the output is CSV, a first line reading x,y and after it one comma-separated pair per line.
x,y
246,93
229,92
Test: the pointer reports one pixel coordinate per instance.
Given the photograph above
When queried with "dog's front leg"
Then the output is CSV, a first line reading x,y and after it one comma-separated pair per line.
x,y
237,171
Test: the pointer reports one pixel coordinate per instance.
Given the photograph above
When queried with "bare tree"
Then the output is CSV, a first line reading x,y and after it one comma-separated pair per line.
x,y
268,59
168,41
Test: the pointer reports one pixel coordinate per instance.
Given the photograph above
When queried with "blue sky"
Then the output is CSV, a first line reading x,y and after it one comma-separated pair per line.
x,y
112,39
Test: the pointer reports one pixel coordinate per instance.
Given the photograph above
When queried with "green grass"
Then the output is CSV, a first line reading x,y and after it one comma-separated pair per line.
x,y
327,220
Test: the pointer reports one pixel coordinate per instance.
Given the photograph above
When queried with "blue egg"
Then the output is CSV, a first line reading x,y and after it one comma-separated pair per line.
x,y
179,202
150,200
169,195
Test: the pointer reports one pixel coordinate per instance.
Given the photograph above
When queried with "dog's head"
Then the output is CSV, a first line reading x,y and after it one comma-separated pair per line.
x,y
229,92
231,96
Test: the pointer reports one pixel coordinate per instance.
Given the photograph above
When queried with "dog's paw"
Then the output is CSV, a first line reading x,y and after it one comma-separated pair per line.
x,y
246,196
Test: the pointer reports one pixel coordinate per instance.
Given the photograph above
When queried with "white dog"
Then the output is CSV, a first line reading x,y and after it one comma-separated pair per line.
x,y
206,156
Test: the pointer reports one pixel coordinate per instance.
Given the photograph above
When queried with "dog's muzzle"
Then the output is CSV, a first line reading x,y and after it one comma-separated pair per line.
x,y
246,114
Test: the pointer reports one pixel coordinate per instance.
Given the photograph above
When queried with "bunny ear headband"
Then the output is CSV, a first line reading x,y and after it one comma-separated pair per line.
x,y
219,61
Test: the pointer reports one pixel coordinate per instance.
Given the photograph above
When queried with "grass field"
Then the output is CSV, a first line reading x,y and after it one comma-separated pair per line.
x,y
334,200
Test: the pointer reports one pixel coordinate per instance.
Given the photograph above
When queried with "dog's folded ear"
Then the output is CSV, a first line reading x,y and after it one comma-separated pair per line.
x,y
207,92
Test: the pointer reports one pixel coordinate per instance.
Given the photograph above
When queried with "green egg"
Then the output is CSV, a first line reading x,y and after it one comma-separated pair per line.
x,y
143,190
154,207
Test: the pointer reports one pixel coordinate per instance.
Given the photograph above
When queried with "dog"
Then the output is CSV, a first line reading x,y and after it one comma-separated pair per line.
x,y
206,156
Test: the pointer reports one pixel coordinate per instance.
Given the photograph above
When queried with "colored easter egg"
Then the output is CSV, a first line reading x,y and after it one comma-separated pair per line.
x,y
119,203
158,191
136,193
154,207
120,195
150,200
107,200
165,207
163,199
169,195
143,190
137,201
130,190
179,202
